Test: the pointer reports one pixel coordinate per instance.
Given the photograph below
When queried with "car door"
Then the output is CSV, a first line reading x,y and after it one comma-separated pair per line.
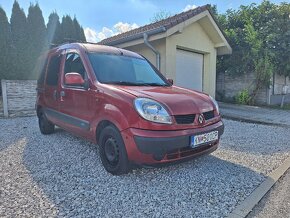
x,y
51,97
77,103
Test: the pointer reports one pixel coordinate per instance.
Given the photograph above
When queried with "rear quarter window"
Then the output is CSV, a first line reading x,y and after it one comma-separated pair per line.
x,y
53,70
40,69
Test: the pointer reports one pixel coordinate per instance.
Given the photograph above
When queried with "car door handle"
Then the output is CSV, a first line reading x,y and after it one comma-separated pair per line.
x,y
55,95
62,93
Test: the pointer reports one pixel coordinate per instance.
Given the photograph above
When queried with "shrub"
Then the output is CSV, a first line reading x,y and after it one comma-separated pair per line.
x,y
243,97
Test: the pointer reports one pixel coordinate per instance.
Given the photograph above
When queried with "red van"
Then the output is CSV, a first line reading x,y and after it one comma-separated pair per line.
x,y
119,100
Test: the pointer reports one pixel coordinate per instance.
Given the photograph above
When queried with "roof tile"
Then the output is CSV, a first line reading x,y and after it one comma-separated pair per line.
x,y
167,23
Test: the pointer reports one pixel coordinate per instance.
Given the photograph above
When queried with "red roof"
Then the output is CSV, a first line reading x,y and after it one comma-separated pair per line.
x,y
165,24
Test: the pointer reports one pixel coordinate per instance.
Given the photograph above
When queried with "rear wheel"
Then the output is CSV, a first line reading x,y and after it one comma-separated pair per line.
x,y
113,152
45,126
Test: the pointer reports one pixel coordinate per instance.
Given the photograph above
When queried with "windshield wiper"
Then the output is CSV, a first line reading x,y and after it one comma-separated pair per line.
x,y
154,84
135,84
124,83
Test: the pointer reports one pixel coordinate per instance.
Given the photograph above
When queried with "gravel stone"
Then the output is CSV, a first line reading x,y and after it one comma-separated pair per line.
x,y
60,175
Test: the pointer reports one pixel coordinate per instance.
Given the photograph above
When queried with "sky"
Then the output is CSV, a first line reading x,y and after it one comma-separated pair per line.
x,y
102,19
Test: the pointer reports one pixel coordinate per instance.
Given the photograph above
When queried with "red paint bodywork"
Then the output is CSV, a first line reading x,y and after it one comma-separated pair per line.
x,y
114,103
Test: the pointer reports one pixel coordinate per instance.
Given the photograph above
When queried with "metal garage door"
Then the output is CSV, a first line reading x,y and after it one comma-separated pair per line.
x,y
189,69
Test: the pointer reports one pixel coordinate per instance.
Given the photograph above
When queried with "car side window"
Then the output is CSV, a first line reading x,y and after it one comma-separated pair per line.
x,y
40,69
53,70
74,64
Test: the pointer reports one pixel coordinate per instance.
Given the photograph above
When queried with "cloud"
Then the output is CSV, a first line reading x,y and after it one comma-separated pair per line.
x,y
120,27
105,33
189,7
91,35
124,27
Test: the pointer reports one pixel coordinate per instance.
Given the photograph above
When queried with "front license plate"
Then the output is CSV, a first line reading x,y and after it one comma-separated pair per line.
x,y
204,138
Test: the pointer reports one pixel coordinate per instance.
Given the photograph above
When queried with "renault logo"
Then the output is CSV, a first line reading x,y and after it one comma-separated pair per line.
x,y
200,119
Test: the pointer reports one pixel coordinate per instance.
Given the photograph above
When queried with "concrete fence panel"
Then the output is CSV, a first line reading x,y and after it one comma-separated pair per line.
x,y
230,86
18,97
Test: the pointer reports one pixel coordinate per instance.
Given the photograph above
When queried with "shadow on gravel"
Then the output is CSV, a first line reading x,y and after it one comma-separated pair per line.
x,y
69,172
12,133
5,144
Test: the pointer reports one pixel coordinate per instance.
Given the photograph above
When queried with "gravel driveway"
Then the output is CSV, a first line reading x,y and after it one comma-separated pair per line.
x,y
276,203
61,175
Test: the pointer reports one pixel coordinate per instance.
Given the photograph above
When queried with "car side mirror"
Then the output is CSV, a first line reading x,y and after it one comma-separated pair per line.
x,y
74,79
170,81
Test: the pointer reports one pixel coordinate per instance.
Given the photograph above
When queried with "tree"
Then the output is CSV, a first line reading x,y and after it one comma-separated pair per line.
x,y
53,29
160,15
36,36
71,30
5,47
260,38
79,32
280,42
213,9
261,61
25,38
82,36
19,35
67,29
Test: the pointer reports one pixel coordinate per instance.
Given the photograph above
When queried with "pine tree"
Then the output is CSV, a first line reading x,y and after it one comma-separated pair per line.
x,y
19,35
5,47
77,29
83,37
67,28
53,29
79,32
25,38
36,36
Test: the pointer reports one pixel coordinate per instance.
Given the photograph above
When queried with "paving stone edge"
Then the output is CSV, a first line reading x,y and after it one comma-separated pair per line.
x,y
246,206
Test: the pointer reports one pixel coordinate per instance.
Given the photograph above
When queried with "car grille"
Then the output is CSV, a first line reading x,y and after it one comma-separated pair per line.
x,y
208,115
184,119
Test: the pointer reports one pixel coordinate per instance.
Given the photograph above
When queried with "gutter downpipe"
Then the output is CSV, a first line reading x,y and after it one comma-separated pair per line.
x,y
145,37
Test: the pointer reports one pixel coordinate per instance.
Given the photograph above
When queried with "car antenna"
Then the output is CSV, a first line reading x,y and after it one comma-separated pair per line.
x,y
120,51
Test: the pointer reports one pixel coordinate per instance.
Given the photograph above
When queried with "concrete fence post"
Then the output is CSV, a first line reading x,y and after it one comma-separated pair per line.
x,y
4,97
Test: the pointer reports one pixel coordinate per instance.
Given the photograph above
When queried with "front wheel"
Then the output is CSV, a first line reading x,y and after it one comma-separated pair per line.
x,y
113,152
45,126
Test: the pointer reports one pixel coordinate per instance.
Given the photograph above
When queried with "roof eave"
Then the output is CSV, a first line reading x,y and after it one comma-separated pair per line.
x,y
137,36
223,48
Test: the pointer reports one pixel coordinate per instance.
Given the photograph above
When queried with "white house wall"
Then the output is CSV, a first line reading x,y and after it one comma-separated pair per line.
x,y
193,38
150,55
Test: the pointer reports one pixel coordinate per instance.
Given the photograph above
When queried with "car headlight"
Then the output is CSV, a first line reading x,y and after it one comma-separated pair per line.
x,y
215,104
152,110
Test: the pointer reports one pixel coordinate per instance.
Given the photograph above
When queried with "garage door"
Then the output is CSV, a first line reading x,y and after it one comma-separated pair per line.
x,y
189,70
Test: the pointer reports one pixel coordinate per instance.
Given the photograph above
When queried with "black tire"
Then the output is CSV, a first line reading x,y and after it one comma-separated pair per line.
x,y
45,126
113,152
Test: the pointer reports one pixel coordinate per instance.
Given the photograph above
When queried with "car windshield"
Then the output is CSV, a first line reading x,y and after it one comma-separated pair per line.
x,y
124,70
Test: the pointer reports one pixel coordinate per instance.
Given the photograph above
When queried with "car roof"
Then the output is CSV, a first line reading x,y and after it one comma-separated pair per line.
x,y
95,48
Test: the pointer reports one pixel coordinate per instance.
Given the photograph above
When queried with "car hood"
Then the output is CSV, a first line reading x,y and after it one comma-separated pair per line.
x,y
178,100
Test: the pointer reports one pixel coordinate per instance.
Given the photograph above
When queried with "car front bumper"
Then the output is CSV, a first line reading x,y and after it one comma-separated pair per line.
x,y
151,147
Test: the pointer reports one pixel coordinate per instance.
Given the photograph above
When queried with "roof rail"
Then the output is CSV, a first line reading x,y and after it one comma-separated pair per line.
x,y
66,41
